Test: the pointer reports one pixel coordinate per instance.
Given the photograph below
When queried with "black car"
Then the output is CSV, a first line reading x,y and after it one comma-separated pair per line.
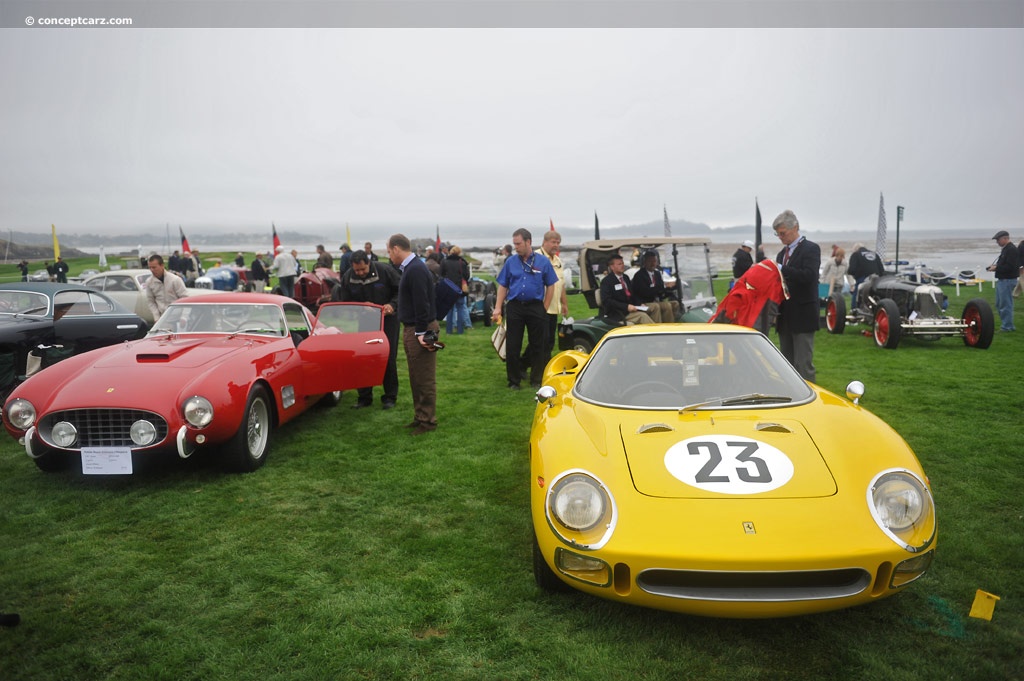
x,y
41,323
895,307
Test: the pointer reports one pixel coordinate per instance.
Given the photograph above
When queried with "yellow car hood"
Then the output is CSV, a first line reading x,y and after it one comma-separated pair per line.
x,y
716,455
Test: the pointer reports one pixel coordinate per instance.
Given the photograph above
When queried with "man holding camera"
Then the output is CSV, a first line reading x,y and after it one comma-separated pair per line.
x,y
417,314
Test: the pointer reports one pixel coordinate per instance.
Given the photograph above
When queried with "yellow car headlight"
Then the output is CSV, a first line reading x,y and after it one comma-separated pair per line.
x,y
581,510
902,506
578,502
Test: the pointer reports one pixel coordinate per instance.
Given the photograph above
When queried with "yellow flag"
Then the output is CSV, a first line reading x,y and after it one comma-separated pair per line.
x,y
348,236
56,246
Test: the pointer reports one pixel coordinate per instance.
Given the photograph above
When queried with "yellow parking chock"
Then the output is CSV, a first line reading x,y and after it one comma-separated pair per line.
x,y
984,605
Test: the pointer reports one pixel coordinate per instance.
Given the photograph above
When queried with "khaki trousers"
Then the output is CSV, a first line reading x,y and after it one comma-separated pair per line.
x,y
422,375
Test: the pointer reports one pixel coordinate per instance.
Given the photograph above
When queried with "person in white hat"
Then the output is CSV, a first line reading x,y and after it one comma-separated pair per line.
x,y
285,266
742,260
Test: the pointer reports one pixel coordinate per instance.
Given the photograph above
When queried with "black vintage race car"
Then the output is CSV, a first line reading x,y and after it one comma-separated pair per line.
x,y
480,299
42,323
894,308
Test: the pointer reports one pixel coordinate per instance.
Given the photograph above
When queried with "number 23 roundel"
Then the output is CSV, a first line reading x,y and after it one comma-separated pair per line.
x,y
728,464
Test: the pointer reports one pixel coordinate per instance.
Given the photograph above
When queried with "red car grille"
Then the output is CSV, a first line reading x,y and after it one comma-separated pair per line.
x,y
102,427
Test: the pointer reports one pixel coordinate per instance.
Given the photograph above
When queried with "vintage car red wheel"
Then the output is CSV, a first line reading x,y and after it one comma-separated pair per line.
x,y
981,323
835,313
887,324
248,449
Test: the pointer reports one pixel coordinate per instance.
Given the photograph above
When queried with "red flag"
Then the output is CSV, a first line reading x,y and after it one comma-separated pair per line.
x,y
184,242
277,240
552,224
437,242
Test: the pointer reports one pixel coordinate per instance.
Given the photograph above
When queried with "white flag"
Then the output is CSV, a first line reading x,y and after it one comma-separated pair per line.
x,y
880,235
668,228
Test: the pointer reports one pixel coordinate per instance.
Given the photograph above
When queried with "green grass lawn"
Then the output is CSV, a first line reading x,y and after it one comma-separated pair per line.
x,y
359,552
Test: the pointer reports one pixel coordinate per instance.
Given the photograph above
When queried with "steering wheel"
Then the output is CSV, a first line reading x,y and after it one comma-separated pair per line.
x,y
637,389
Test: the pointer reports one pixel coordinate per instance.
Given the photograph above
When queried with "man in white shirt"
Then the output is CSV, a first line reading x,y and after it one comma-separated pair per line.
x,y
163,287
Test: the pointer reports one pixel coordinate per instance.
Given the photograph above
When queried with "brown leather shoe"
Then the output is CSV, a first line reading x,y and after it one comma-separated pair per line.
x,y
423,428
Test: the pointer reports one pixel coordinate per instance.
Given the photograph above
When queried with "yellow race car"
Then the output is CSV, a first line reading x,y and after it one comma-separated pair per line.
x,y
688,467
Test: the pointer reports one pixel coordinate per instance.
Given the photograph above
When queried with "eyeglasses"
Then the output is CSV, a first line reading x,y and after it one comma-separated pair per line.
x,y
780,230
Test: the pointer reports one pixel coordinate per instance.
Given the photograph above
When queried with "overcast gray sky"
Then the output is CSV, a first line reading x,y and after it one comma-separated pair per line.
x,y
113,130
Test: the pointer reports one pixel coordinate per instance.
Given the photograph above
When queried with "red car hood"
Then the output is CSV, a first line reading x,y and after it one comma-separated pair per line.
x,y
142,373
180,352
720,454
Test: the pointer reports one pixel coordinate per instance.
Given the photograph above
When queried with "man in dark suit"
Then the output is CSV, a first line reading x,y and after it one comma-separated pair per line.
x,y
799,261
417,314
649,289
617,303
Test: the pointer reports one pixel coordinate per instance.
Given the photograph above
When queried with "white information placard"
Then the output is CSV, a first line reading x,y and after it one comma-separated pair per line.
x,y
106,460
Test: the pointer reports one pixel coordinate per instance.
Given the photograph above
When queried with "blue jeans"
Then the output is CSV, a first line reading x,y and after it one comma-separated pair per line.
x,y
459,313
1004,303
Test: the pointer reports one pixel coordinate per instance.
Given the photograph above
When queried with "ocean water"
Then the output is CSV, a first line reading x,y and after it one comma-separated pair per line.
x,y
942,255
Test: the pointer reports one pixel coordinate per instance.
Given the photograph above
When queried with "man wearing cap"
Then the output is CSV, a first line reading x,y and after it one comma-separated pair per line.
x,y
1007,269
285,266
742,260
259,273
345,261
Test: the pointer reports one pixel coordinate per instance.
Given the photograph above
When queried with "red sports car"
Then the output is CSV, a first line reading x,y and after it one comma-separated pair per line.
x,y
216,374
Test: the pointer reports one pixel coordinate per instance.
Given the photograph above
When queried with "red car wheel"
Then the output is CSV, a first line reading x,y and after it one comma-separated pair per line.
x,y
248,449
887,325
981,324
835,313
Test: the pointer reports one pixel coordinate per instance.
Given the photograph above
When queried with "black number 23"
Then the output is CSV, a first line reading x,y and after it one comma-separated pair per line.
x,y
706,473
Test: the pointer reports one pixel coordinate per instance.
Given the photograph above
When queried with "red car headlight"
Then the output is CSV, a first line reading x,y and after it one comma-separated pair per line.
x,y
21,414
198,411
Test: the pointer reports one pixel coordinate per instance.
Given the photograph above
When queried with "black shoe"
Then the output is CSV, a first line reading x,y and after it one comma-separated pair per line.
x,y
362,405
387,405
535,386
513,386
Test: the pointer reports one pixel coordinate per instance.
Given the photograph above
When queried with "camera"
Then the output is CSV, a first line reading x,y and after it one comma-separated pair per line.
x,y
430,341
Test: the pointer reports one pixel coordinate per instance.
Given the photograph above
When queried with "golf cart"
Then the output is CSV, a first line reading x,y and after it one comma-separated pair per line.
x,y
686,270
